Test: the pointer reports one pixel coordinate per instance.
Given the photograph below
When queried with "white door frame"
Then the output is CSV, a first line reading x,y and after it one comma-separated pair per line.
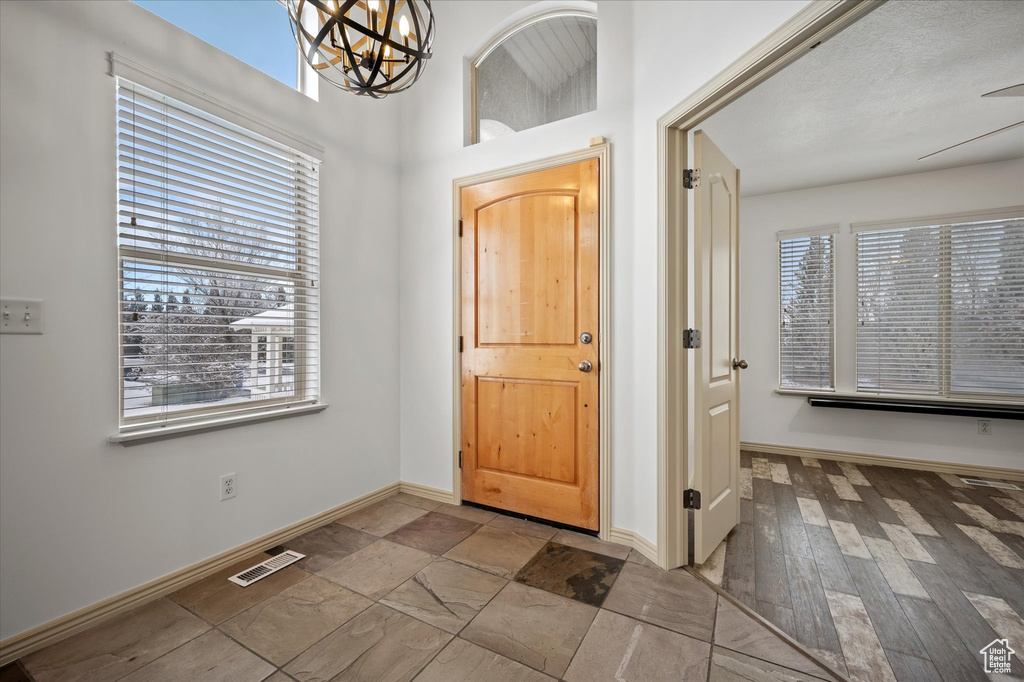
x,y
601,150
677,428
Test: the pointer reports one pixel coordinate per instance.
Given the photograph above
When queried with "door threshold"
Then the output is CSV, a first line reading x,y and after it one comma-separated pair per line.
x,y
767,624
535,519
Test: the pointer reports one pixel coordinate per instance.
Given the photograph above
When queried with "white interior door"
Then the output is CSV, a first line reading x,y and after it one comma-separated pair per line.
x,y
716,419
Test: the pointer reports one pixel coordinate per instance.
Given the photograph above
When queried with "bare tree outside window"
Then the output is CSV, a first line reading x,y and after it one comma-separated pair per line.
x,y
806,310
941,309
218,262
898,313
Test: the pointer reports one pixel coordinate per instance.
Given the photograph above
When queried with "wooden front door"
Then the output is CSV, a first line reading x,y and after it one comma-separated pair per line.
x,y
529,381
717,438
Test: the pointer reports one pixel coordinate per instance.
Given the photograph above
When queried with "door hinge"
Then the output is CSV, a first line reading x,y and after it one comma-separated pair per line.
x,y
460,227
460,344
691,499
460,459
691,338
691,178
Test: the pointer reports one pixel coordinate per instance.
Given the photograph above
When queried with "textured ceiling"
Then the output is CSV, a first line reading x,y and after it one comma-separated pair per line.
x,y
550,51
904,81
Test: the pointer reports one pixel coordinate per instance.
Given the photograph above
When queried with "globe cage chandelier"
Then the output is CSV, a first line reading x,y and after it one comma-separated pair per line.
x,y
367,47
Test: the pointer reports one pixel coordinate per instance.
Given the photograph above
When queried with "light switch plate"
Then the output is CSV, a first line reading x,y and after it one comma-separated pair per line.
x,y
18,316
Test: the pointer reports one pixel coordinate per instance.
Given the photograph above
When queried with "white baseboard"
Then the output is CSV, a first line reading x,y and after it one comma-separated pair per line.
x,y
638,542
25,643
425,491
954,468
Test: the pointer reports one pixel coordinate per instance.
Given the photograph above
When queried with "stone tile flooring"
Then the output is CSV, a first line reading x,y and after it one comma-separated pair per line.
x,y
889,573
412,589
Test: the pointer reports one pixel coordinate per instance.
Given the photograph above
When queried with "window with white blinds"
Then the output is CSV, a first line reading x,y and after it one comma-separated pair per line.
x,y
941,309
218,265
806,311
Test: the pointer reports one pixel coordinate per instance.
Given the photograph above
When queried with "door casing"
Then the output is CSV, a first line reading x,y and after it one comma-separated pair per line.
x,y
601,150
678,431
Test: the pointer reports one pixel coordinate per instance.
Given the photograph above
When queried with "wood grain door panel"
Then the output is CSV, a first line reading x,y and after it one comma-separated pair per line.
x,y
530,273
526,271
527,427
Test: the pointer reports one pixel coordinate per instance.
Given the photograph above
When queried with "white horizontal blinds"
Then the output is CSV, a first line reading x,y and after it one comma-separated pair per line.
x,y
898,314
941,309
986,324
806,296
219,264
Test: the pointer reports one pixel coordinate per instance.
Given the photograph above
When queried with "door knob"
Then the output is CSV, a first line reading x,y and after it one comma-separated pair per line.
x,y
585,366
739,364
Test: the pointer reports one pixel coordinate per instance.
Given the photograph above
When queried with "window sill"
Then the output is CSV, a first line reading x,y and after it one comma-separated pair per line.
x,y
806,391
145,435
991,409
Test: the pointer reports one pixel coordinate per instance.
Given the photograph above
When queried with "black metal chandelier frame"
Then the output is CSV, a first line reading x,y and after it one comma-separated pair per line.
x,y
337,50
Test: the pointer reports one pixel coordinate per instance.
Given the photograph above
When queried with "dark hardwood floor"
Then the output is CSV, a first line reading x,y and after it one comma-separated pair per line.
x,y
889,574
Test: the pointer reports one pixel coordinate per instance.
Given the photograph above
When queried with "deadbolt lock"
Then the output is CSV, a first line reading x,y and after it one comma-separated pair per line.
x,y
585,337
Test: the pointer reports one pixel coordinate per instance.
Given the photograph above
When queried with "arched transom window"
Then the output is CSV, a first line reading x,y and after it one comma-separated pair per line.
x,y
541,71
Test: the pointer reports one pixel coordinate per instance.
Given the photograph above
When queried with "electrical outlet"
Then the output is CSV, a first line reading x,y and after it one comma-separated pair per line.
x,y
984,427
228,486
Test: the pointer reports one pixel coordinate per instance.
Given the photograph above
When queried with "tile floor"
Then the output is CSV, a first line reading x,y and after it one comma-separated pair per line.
x,y
413,589
895,574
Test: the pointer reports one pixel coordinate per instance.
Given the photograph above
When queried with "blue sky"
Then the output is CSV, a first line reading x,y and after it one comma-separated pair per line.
x,y
255,31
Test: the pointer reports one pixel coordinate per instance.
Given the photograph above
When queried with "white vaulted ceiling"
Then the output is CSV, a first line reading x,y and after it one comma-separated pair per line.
x,y
902,82
551,51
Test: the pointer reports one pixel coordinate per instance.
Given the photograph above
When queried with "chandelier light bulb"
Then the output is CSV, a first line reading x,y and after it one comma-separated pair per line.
x,y
403,26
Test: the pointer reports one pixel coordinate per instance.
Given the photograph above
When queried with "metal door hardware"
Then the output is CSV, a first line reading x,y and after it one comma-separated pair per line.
x,y
691,499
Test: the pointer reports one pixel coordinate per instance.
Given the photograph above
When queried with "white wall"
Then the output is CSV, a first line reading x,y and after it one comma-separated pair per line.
x,y
767,417
651,55
81,520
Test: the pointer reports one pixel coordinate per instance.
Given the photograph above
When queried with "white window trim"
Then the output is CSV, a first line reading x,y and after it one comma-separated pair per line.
x,y
566,9
843,392
201,419
122,67
782,235
502,36
306,79
820,231
1004,213
171,429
